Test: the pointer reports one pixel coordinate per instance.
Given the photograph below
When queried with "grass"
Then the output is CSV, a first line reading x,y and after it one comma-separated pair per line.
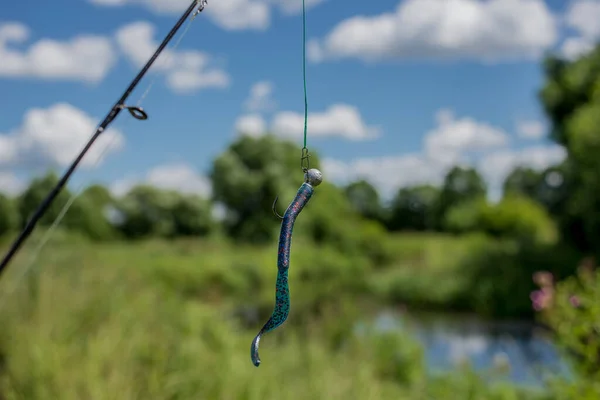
x,y
159,320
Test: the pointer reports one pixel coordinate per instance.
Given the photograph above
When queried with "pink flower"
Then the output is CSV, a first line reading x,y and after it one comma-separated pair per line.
x,y
575,302
541,299
543,279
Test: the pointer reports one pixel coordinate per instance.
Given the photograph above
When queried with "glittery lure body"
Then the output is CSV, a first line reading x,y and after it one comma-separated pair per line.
x,y
282,291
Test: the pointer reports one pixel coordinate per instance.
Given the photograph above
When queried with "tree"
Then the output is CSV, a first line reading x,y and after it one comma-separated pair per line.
x,y
89,213
8,216
248,176
525,181
571,100
148,211
192,216
365,199
413,208
516,216
37,191
461,184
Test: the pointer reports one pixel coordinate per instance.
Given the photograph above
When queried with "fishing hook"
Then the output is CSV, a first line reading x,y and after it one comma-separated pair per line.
x,y
275,209
312,179
305,164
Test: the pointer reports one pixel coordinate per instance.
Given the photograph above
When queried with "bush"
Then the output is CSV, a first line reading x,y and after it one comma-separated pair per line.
x,y
146,211
570,309
9,219
516,216
329,219
466,216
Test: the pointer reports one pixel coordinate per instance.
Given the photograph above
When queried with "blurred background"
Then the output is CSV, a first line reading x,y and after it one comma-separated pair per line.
x,y
449,254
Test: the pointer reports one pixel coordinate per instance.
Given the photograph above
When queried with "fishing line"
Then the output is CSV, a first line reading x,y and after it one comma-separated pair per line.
x,y
304,71
137,112
312,179
169,56
55,224
305,156
49,232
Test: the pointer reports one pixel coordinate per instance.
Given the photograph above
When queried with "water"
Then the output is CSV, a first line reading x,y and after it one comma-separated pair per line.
x,y
450,340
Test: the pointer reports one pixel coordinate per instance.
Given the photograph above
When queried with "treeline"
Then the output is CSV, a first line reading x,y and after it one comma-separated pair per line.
x,y
560,202
144,211
460,205
248,176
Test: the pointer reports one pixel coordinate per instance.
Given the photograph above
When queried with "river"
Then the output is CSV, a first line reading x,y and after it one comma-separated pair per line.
x,y
450,340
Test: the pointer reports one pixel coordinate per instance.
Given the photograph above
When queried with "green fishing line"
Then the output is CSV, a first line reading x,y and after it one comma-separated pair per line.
x,y
304,70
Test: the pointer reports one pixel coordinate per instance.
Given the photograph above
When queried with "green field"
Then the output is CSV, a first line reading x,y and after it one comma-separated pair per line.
x,y
163,320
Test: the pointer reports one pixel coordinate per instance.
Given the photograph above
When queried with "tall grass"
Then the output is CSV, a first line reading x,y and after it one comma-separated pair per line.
x,y
160,320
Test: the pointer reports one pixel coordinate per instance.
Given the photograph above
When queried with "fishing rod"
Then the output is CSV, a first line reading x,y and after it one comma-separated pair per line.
x,y
196,7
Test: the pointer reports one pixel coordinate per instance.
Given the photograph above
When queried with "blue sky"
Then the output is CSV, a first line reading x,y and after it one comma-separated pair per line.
x,y
398,90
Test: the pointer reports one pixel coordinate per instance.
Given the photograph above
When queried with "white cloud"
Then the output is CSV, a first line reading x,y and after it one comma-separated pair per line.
x,y
251,125
10,184
260,98
54,136
453,137
339,120
185,70
445,146
179,177
492,31
240,14
85,58
575,47
230,15
390,173
387,173
581,16
290,7
531,129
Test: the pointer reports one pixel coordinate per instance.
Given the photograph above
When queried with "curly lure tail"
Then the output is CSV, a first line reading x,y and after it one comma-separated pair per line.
x,y
282,290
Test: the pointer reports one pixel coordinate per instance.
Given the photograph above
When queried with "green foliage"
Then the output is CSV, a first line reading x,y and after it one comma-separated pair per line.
x,y
248,176
340,226
521,218
523,181
113,329
427,271
191,216
365,200
574,316
37,191
572,312
461,184
571,99
516,217
414,209
9,218
146,211
88,214
466,216
500,273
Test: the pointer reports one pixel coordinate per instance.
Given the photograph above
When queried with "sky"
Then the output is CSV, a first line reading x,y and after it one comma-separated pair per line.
x,y
398,91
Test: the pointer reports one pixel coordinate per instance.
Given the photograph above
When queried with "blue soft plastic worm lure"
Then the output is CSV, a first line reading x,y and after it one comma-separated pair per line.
x,y
312,179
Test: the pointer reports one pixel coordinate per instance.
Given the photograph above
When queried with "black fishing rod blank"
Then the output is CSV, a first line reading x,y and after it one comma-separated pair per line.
x,y
136,112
